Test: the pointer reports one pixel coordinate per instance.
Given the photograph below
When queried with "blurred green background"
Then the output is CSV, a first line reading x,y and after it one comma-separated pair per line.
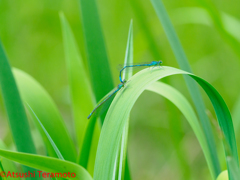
x,y
31,34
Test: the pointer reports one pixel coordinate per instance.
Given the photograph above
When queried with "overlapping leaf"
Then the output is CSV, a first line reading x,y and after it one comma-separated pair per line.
x,y
121,106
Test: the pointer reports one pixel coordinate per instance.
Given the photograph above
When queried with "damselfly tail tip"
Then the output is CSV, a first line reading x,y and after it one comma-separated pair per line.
x,y
89,116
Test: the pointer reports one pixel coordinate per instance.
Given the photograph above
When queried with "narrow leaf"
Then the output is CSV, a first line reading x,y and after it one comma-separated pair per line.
x,y
122,104
48,164
44,107
82,98
192,87
16,114
46,133
123,167
96,52
7,165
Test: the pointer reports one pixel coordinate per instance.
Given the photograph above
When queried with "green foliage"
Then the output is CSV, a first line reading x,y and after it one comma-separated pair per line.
x,y
38,43
40,101
123,169
223,175
192,87
7,164
59,155
122,105
97,57
16,113
47,164
81,95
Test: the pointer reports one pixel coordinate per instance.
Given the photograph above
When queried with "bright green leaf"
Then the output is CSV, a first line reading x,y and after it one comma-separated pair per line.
x,y
47,164
121,106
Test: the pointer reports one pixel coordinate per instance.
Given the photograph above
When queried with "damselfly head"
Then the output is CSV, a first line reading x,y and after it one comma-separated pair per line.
x,y
122,84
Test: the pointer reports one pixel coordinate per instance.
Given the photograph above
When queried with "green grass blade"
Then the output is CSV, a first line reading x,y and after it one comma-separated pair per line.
x,y
83,159
123,156
81,93
1,171
122,104
129,53
123,167
192,87
16,114
184,106
40,101
141,15
81,97
223,116
47,134
47,164
226,125
233,165
8,165
101,78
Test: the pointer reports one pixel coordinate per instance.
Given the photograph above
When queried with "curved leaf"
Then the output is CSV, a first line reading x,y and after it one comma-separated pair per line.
x,y
191,85
7,164
184,106
44,107
122,104
47,164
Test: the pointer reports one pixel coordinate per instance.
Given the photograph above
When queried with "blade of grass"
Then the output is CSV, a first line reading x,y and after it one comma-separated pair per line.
x,y
178,100
123,168
86,146
97,58
85,152
41,102
7,165
81,93
47,164
141,16
122,104
234,166
16,114
129,53
1,171
192,87
46,133
81,97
